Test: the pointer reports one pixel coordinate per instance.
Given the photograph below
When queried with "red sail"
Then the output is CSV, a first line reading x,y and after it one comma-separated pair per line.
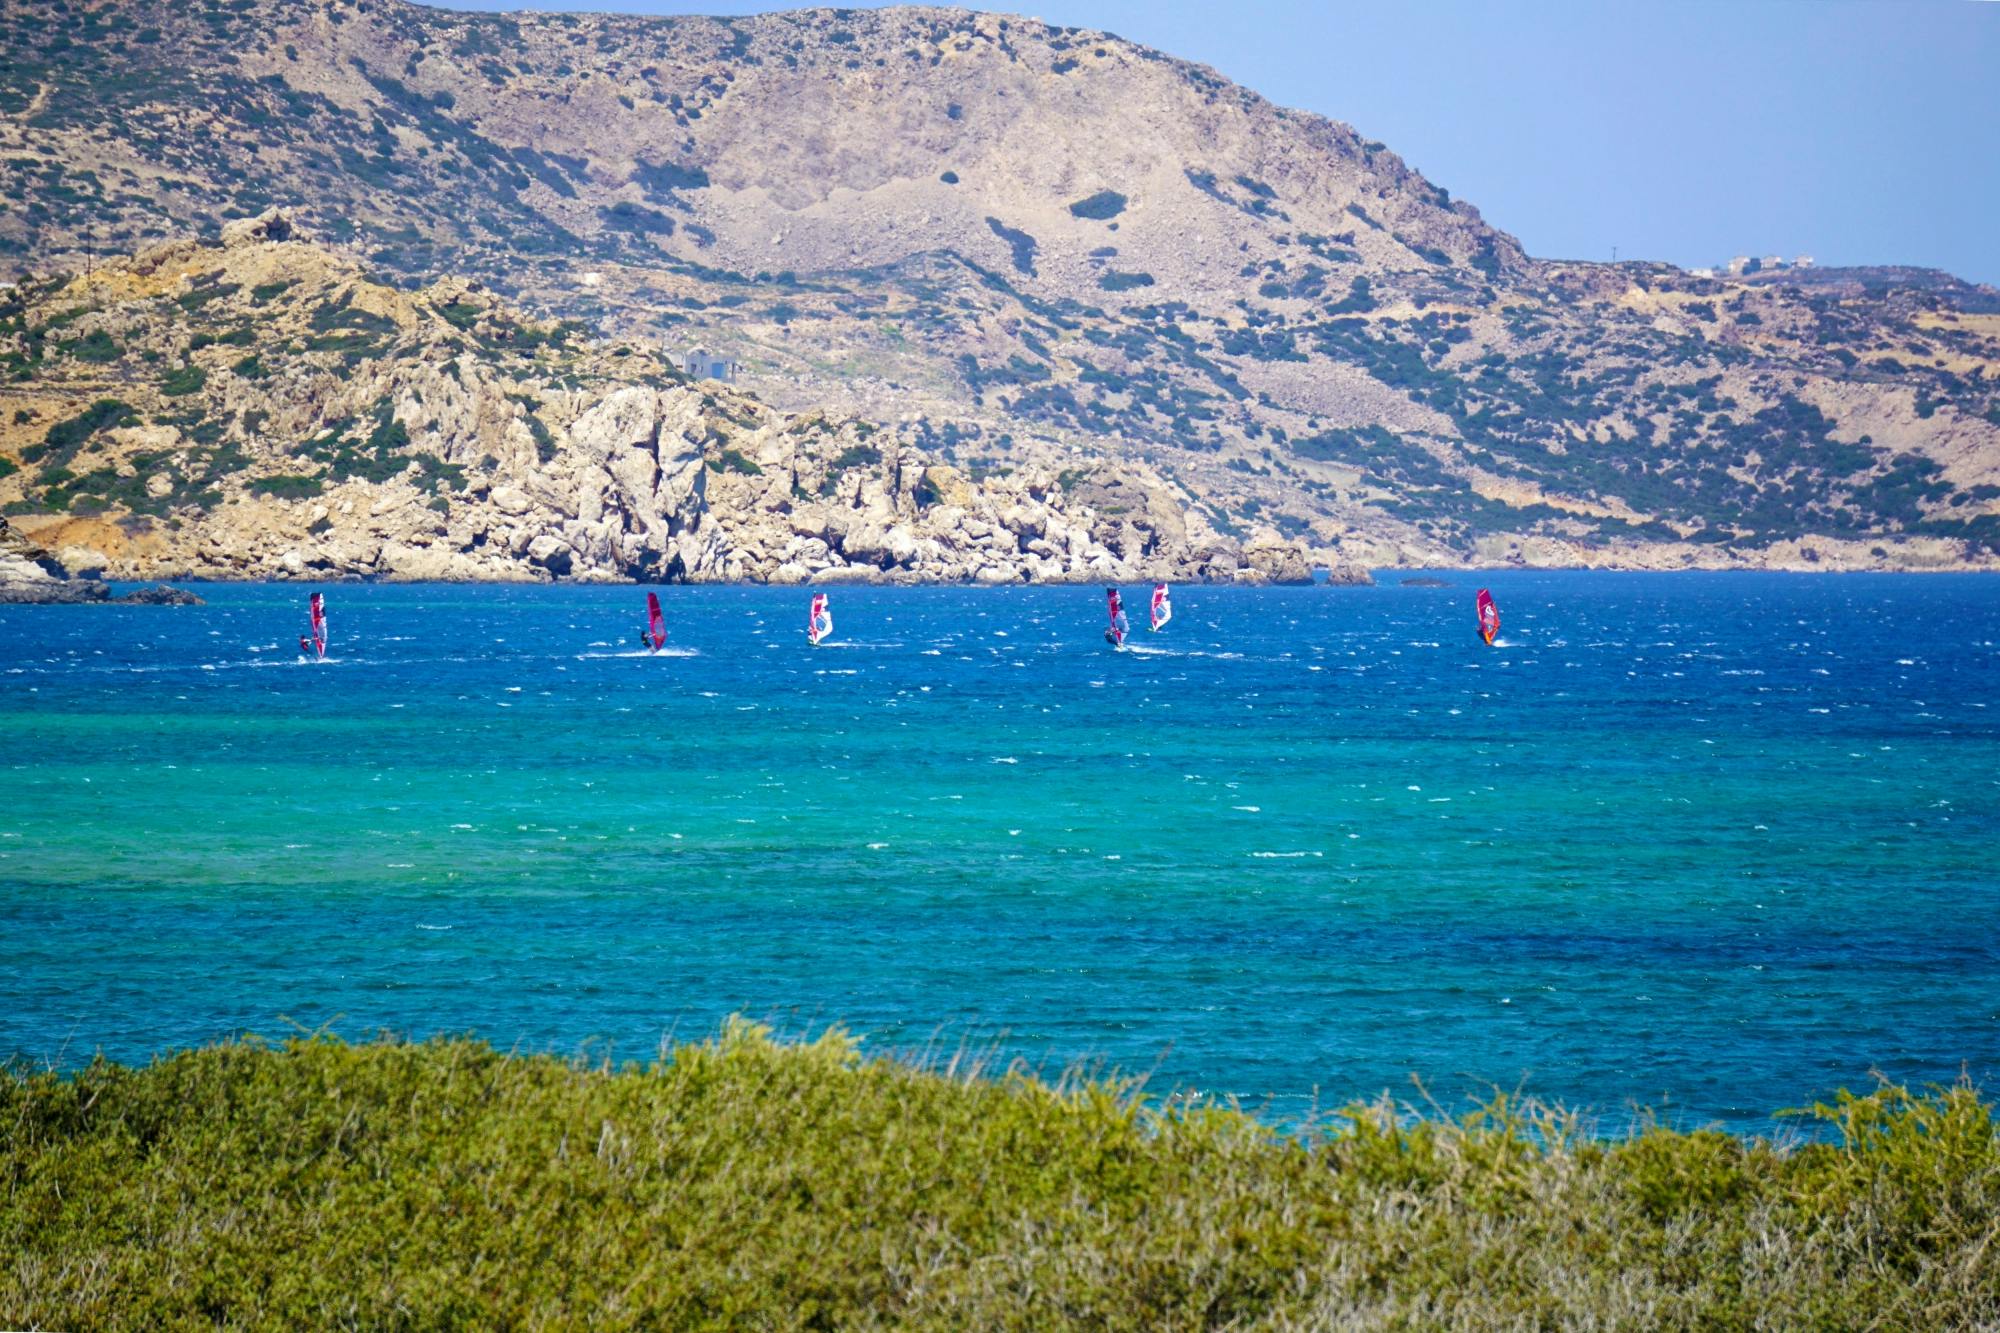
x,y
1489,616
318,604
656,624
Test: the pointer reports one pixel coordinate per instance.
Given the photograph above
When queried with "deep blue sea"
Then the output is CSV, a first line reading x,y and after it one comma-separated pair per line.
x,y
1713,844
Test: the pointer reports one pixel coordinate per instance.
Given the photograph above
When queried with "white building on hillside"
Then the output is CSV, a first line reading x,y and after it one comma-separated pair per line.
x,y
700,364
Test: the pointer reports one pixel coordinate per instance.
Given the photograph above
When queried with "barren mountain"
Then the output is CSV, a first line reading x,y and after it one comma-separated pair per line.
x,y
1007,237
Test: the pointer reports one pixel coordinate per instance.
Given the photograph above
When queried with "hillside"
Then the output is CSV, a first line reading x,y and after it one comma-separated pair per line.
x,y
747,1184
268,408
1006,237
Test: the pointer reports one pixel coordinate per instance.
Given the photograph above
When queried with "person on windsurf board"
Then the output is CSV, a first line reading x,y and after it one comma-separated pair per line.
x,y
1489,617
654,636
819,620
313,642
1163,608
1115,632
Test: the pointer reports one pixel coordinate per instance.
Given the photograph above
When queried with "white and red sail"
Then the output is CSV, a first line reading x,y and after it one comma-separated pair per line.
x,y
1115,632
1163,607
819,621
1489,616
656,624
317,608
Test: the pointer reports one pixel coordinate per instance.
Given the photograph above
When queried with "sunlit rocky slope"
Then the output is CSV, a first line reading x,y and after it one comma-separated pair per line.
x,y
268,408
1002,236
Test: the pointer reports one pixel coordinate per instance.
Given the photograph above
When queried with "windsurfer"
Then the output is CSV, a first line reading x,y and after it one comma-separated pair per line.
x,y
1114,633
314,640
654,636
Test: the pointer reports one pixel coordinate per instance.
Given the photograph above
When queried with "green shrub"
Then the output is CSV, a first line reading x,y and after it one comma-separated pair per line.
x,y
433,474
668,177
636,220
855,455
1099,207
1124,282
288,487
66,437
1360,298
97,346
743,1183
202,294
183,380
1020,243
242,337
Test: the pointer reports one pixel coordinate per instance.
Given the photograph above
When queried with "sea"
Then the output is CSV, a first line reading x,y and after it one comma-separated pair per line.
x,y
1695,847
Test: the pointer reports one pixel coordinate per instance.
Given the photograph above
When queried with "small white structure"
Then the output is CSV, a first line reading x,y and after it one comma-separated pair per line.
x,y
1803,261
1739,264
1702,272
700,364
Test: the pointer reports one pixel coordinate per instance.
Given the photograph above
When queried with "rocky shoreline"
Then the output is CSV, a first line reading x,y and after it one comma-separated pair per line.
x,y
443,436
31,576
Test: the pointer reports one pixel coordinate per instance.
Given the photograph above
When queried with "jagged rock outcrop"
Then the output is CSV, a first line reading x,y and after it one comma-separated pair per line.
x,y
267,409
30,575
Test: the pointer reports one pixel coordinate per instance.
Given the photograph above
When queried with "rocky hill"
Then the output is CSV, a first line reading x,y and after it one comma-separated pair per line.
x,y
268,408
1008,237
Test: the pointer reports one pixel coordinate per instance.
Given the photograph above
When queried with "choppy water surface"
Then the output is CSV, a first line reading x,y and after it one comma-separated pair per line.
x,y
1711,843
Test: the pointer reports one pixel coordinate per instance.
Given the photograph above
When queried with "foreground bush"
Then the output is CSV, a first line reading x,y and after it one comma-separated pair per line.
x,y
744,1183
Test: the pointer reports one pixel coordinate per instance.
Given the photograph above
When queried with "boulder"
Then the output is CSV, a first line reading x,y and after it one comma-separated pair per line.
x,y
511,500
160,594
1275,559
271,225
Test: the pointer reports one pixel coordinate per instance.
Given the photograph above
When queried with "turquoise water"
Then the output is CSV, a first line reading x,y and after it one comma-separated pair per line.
x,y
1714,844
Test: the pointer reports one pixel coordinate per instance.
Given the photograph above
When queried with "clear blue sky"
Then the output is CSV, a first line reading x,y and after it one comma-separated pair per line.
x,y
1856,131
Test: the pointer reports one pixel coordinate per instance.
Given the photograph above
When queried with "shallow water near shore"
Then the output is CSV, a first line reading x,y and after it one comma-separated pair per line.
x,y
1712,843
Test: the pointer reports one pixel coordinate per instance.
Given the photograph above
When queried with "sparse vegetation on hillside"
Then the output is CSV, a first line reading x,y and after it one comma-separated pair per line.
x,y
1329,285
